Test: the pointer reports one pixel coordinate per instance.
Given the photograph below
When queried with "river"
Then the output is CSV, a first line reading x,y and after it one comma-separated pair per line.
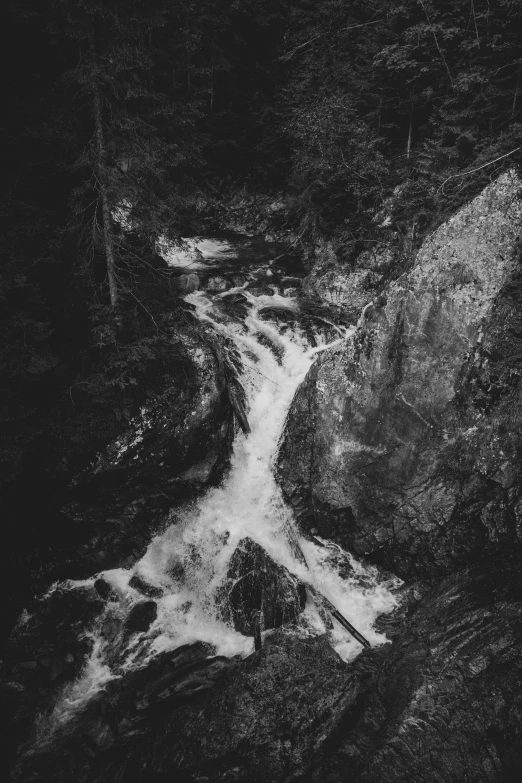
x,y
186,566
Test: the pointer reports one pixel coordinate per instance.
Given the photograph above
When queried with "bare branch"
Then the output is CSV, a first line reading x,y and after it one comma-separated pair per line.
x,y
472,171
288,55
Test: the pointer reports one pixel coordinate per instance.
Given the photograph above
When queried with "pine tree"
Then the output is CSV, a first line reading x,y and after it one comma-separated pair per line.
x,y
128,77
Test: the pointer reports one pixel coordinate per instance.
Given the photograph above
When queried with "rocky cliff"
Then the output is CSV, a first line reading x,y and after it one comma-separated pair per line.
x,y
403,444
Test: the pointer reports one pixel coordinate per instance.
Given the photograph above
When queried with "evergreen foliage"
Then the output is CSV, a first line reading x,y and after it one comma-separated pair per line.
x,y
390,99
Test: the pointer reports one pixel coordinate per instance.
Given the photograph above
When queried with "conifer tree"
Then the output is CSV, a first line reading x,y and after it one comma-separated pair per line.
x,y
129,80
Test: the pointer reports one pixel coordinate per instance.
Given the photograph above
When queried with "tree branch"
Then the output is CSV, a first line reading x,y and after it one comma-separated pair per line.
x,y
472,171
288,55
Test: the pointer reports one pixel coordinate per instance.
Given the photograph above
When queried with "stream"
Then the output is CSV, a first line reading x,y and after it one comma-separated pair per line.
x,y
186,567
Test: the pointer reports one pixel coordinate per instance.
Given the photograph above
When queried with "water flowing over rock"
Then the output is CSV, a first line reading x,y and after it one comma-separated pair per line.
x,y
169,655
401,445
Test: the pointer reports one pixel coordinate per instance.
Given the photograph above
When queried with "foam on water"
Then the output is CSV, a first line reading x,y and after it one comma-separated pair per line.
x,y
188,562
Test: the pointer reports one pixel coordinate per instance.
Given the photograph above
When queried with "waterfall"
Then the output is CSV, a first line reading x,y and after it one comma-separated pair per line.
x,y
186,565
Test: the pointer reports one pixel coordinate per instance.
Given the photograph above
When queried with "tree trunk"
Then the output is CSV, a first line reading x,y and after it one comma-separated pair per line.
x,y
212,83
408,146
258,640
338,616
106,212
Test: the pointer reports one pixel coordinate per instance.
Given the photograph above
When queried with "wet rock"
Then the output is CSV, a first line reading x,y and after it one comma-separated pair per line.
x,y
217,284
261,588
103,509
235,305
53,632
236,395
291,280
103,588
276,348
141,616
400,444
181,682
188,283
111,628
279,314
257,289
142,586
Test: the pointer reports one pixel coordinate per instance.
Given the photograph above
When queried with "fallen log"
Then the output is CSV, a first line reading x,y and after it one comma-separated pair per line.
x,y
338,616
239,407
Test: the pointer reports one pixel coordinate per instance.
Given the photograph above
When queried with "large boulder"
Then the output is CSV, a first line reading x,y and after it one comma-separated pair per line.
x,y
259,588
141,616
403,444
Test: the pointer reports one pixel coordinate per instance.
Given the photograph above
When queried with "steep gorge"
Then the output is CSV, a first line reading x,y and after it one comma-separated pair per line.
x,y
401,446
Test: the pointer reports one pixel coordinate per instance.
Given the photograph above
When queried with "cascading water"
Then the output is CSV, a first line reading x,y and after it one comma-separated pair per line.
x,y
186,566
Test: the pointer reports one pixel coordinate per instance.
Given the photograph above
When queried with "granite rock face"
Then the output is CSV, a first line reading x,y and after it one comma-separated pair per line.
x,y
403,443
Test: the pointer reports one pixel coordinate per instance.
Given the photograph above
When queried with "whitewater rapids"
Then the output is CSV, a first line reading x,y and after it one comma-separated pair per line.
x,y
188,562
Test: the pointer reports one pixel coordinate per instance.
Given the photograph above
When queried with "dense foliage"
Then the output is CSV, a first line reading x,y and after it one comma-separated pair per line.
x,y
387,103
